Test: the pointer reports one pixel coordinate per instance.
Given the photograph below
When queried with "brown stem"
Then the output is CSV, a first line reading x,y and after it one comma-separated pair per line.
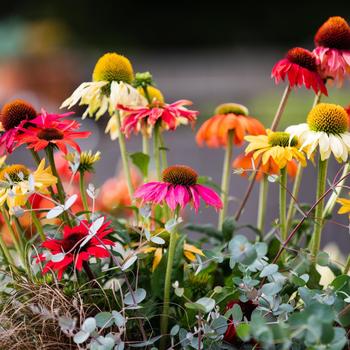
x,y
90,274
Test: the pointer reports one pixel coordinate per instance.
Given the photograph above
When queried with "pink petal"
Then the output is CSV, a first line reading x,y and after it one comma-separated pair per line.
x,y
209,196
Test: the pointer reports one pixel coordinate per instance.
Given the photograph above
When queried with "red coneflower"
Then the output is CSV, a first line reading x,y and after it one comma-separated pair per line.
x,y
51,129
332,42
13,115
301,69
74,251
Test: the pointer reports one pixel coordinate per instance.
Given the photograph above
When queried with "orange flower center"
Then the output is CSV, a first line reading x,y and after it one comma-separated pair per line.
x,y
14,112
303,58
15,172
334,33
50,134
180,175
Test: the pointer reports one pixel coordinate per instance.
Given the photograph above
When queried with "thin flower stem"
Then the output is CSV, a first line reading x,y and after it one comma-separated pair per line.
x,y
263,192
321,187
124,155
83,194
145,137
347,266
306,215
298,177
336,193
274,125
163,151
20,232
6,252
36,156
167,284
226,177
16,244
156,153
295,192
60,189
36,222
283,203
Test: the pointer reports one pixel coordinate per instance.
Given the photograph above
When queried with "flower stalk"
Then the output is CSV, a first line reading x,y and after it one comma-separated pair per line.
x,y
36,222
321,187
83,194
226,177
167,283
156,150
263,192
283,203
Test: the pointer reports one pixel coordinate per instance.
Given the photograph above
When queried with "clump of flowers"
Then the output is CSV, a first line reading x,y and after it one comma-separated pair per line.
x,y
130,265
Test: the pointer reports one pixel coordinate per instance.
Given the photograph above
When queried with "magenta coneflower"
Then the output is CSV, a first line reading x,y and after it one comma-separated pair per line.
x,y
178,188
332,42
169,114
12,115
301,69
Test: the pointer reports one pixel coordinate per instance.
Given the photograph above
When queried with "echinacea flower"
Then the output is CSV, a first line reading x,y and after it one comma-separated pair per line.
x,y
228,116
51,129
301,69
111,85
74,252
18,183
326,128
189,250
168,115
332,42
12,115
178,188
244,164
276,145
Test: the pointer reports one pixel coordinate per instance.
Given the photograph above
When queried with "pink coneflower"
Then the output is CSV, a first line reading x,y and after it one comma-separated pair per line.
x,y
332,42
169,115
301,69
12,115
178,188
51,129
74,252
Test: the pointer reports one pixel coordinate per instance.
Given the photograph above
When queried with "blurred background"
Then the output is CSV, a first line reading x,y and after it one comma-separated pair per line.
x,y
208,53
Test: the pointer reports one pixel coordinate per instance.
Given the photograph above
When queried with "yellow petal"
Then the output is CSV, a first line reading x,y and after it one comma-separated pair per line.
x,y
157,258
193,249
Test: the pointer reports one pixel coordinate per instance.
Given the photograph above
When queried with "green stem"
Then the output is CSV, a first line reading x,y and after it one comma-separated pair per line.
x,y
336,193
226,177
156,153
60,189
6,252
36,222
295,192
167,284
20,232
321,187
124,155
263,191
16,244
83,194
283,203
163,151
347,265
36,156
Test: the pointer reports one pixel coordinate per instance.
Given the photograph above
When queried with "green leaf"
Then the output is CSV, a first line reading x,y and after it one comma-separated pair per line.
x,y
269,270
81,337
237,313
104,319
195,306
141,161
243,331
207,303
139,295
228,228
322,259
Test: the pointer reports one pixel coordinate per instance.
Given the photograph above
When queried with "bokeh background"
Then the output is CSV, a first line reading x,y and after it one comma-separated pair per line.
x,y
209,53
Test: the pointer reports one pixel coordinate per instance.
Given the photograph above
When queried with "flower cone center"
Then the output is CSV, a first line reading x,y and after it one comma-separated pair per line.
x,y
235,108
14,112
282,139
113,67
180,175
14,173
334,33
303,58
50,134
153,93
329,118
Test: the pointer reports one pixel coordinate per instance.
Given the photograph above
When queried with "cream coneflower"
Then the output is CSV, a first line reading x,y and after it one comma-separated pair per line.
x,y
326,128
83,162
332,42
112,78
13,115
